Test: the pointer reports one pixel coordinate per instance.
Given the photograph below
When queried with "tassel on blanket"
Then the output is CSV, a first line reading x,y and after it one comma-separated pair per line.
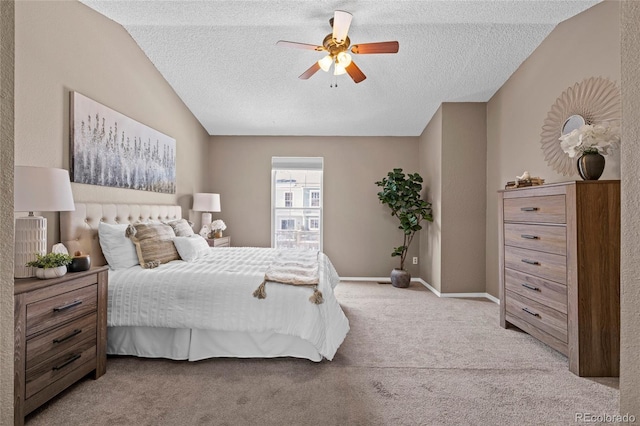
x,y
316,297
261,291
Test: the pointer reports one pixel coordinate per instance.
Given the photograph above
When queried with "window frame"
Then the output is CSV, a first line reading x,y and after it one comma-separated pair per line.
x,y
299,164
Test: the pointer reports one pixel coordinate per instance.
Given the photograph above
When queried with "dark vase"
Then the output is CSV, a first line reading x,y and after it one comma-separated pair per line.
x,y
591,166
80,263
400,278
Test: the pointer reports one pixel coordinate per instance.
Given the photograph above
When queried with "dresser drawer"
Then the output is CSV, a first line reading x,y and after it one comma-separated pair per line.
x,y
547,238
62,364
57,310
545,209
540,316
544,265
49,344
545,292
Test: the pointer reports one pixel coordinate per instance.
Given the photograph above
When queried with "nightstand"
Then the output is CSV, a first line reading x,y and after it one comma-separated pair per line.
x,y
60,335
219,242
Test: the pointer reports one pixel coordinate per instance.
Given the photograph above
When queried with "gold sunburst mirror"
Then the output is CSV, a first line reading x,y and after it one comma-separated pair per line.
x,y
594,100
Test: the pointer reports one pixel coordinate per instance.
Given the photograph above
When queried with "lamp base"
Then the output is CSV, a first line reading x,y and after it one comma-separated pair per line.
x,y
206,218
31,239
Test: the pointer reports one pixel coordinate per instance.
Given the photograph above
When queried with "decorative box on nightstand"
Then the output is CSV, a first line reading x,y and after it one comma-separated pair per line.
x,y
219,242
60,335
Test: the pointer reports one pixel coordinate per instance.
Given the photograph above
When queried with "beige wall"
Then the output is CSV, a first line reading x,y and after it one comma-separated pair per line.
x,y
453,154
430,157
6,210
359,232
630,167
586,45
64,46
464,159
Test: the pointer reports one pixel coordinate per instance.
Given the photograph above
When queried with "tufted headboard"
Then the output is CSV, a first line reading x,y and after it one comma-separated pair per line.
x,y
79,228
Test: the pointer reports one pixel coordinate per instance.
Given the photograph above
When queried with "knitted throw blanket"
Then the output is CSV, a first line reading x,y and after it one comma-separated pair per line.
x,y
293,267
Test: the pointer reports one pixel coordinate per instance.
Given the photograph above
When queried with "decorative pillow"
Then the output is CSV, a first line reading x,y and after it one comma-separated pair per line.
x,y
191,248
118,250
181,227
153,242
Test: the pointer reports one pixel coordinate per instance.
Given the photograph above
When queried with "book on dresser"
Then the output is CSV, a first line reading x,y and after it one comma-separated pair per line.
x,y
560,270
60,335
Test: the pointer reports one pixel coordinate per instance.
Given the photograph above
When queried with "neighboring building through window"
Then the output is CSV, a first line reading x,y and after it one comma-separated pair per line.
x,y
287,224
296,194
315,198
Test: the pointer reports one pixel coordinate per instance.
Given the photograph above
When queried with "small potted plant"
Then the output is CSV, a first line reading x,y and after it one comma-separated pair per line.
x,y
50,265
216,227
402,194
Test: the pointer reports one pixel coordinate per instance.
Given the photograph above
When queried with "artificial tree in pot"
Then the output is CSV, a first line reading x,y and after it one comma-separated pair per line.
x,y
402,194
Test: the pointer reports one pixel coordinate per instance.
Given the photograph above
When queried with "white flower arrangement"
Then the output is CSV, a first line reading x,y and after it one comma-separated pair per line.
x,y
590,139
217,225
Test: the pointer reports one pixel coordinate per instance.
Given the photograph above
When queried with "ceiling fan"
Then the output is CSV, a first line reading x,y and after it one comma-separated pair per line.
x,y
336,44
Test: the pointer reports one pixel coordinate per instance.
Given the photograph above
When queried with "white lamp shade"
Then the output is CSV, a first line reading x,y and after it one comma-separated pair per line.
x,y
42,189
204,202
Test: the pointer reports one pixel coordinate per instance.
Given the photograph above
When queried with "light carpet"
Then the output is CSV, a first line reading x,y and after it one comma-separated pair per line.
x,y
410,358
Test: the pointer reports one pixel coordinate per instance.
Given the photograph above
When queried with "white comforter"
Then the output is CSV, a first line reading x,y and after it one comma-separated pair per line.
x,y
215,292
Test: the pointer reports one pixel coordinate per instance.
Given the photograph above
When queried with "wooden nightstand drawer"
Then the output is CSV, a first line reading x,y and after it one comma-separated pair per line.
x,y
542,291
59,309
544,265
63,363
219,242
59,339
547,238
540,316
545,209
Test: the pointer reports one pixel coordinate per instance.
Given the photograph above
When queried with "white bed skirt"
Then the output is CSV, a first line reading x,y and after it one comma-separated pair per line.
x,y
195,344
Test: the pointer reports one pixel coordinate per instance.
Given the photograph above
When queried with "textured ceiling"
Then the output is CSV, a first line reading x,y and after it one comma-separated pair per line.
x,y
221,58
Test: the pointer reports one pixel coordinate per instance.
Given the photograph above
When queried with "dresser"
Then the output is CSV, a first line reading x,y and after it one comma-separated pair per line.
x,y
60,335
560,270
219,242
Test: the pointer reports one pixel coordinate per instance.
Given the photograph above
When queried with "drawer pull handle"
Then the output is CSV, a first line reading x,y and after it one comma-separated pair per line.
x,y
530,287
67,306
531,262
530,237
529,209
69,336
67,362
530,312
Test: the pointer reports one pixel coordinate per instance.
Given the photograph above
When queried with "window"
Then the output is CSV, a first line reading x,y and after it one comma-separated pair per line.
x,y
314,197
287,224
296,201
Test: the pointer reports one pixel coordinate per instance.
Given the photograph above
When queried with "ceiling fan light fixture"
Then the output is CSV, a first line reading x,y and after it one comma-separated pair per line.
x,y
325,63
339,69
344,59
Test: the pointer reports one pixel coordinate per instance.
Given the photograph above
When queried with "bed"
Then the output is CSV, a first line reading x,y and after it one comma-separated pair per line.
x,y
205,308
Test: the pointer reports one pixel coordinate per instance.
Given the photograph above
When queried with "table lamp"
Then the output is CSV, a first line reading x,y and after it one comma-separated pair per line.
x,y
207,203
37,189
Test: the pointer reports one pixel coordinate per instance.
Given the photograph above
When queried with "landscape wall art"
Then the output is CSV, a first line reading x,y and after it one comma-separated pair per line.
x,y
111,149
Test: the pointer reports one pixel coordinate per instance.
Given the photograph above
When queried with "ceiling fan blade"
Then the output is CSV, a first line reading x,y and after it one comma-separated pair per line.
x,y
300,45
355,73
311,71
381,47
341,24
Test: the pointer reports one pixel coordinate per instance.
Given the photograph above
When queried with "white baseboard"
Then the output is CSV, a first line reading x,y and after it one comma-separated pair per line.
x,y
424,283
476,295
